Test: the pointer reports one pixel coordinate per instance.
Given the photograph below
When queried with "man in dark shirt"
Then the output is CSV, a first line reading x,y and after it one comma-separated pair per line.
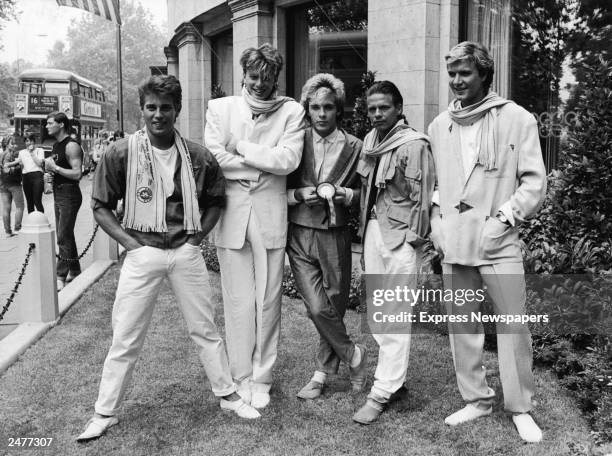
x,y
173,191
66,165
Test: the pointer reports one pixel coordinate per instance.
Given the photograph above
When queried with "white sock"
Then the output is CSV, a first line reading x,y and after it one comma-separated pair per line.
x,y
319,377
356,359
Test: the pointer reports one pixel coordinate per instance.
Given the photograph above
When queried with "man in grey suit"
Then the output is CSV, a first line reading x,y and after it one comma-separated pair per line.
x,y
320,193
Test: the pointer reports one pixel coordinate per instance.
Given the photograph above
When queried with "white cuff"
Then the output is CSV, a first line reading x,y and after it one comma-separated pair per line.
x,y
506,209
435,198
348,198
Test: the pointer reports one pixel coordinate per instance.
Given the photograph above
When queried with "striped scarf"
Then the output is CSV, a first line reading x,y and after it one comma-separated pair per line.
x,y
487,154
145,200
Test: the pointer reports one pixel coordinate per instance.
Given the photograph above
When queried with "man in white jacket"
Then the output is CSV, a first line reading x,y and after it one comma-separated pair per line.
x,y
257,138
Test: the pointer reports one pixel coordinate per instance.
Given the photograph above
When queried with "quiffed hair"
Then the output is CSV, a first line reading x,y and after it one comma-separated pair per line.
x,y
29,137
476,53
324,81
265,59
162,85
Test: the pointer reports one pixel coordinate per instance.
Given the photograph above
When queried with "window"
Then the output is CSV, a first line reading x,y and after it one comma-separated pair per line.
x,y
30,87
57,88
531,47
329,37
222,64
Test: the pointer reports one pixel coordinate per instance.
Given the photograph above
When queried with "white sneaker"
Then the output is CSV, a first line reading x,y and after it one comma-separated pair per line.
x,y
527,428
60,284
240,408
244,391
96,426
468,413
260,400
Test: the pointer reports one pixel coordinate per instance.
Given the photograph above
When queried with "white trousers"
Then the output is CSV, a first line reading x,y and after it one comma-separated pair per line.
x,y
251,280
141,278
394,349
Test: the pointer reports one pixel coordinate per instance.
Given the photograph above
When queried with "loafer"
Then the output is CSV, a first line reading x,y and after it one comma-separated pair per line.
x,y
240,408
527,428
244,391
95,427
71,277
312,390
468,413
260,399
359,374
369,412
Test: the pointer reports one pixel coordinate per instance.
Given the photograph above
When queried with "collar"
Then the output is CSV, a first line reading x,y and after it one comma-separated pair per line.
x,y
332,137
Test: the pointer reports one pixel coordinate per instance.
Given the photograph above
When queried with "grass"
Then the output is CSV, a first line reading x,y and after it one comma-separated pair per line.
x,y
170,410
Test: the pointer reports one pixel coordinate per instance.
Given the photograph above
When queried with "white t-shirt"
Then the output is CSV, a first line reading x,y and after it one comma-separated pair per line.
x,y
165,161
27,162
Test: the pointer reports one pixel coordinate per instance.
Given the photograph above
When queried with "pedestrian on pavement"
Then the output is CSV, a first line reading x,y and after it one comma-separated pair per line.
x,y
320,194
490,178
32,161
10,188
65,164
257,138
173,190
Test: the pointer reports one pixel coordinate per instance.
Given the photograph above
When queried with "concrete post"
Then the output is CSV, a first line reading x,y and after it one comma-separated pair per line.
x,y
37,296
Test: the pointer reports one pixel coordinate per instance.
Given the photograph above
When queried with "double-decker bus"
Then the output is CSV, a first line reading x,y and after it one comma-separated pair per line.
x,y
44,90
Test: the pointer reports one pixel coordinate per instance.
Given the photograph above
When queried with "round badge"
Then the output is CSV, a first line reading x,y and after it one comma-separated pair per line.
x,y
326,190
144,194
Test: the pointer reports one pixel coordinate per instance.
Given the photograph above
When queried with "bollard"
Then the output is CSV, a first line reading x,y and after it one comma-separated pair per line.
x,y
37,297
105,248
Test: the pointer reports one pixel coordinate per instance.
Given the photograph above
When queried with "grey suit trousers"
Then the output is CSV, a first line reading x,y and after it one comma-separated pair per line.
x,y
321,264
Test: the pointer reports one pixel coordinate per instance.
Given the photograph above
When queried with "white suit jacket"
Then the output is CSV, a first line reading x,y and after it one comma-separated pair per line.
x,y
270,147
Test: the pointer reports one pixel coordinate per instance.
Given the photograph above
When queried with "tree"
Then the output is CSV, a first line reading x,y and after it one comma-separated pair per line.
x,y
91,53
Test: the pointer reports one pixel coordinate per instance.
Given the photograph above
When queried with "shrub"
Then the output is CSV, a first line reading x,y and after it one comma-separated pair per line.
x,y
572,231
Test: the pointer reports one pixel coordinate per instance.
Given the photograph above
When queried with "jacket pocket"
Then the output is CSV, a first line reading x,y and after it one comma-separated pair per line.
x,y
496,240
413,177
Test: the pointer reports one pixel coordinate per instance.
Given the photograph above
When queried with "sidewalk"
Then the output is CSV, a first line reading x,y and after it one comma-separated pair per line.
x,y
12,258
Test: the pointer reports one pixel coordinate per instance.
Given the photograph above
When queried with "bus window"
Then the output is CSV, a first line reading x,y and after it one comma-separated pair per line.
x,y
57,88
74,88
30,87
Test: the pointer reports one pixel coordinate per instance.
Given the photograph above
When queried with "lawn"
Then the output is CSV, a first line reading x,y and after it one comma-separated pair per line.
x,y
170,410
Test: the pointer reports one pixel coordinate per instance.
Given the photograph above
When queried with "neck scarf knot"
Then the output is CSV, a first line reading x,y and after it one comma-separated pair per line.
x,y
263,106
487,153
399,135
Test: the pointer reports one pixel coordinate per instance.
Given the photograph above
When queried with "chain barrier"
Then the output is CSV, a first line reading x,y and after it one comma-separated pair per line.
x,y
91,239
24,266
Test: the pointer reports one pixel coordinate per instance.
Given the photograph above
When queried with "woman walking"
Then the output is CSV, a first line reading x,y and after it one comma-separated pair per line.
x,y
31,159
10,188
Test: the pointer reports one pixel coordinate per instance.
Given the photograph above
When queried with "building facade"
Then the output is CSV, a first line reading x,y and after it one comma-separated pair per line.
x,y
401,40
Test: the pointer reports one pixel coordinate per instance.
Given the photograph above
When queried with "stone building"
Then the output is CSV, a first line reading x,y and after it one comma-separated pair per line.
x,y
402,40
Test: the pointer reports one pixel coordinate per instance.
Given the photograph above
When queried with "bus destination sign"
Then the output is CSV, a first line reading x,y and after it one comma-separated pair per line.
x,y
42,104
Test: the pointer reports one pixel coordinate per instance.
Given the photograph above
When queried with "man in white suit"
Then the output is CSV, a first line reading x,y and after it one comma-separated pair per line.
x,y
257,138
490,178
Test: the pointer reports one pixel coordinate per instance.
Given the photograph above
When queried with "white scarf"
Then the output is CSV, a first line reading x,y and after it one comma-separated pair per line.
x,y
145,199
487,155
399,135
263,106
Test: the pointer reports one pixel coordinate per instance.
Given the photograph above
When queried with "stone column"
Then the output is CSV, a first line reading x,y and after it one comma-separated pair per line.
x,y
252,26
404,47
172,61
37,296
192,65
104,247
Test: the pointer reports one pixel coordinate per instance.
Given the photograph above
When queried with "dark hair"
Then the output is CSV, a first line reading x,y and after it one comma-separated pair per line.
x,y
162,85
29,137
386,88
119,134
324,81
61,117
265,59
476,53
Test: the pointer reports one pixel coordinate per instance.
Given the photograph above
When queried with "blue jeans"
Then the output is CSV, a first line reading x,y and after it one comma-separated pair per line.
x,y
68,199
